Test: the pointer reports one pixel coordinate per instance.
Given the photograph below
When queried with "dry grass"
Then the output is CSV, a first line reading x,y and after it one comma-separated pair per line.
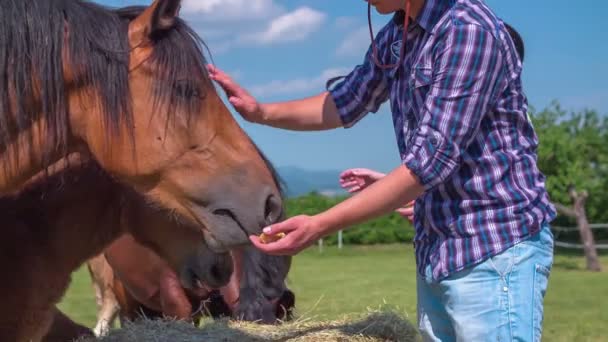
x,y
377,325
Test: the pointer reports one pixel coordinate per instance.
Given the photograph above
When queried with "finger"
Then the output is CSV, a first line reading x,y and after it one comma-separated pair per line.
x,y
223,78
405,212
236,102
286,226
349,173
346,172
349,184
280,247
354,188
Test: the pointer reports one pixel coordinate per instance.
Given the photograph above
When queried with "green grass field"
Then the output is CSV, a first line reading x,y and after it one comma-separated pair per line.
x,y
335,283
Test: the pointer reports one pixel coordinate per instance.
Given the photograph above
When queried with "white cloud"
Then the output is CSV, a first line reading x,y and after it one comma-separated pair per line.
x,y
292,26
298,85
231,10
227,24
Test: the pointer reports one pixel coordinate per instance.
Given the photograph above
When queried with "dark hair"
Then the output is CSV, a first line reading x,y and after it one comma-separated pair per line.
x,y
32,38
517,40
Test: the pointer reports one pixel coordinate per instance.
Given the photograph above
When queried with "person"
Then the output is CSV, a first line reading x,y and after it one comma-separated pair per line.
x,y
482,215
356,179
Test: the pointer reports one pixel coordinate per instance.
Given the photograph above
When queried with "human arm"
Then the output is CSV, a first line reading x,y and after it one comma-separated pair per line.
x,y
467,76
378,199
313,113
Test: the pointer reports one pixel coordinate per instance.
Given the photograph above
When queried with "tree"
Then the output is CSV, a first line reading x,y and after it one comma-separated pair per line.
x,y
573,151
578,212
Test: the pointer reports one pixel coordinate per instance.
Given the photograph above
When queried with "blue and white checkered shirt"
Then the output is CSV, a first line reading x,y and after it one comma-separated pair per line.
x,y
462,126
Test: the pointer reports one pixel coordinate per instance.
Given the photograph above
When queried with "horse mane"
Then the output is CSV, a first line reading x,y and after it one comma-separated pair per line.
x,y
179,66
33,37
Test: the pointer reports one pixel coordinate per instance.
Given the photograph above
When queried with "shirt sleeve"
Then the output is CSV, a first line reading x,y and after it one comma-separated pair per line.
x,y
468,67
365,88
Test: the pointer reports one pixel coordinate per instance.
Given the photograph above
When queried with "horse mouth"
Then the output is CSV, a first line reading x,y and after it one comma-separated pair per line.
x,y
191,281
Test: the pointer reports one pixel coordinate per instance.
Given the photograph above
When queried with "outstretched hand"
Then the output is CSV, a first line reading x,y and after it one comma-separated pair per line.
x,y
301,232
407,211
242,101
354,180
357,179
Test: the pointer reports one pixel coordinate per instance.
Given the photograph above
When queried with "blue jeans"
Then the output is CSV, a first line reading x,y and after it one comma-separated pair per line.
x,y
500,299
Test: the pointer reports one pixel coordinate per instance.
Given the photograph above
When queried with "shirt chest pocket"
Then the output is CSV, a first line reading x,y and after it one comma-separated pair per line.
x,y
419,84
421,77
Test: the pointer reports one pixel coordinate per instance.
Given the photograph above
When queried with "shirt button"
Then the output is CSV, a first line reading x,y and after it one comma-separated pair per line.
x,y
433,140
505,289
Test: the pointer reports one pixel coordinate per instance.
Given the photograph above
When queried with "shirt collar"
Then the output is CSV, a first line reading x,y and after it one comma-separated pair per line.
x,y
430,14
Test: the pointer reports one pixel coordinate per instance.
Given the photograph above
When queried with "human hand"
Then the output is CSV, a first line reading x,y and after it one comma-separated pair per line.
x,y
301,232
354,180
407,211
243,102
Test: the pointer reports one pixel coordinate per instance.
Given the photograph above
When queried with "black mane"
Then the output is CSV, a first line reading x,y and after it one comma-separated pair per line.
x,y
33,86
32,36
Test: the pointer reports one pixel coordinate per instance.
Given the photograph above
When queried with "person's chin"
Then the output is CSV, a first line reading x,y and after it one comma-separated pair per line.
x,y
383,10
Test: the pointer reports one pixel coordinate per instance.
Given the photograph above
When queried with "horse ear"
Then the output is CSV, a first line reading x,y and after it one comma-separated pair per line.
x,y
158,17
164,15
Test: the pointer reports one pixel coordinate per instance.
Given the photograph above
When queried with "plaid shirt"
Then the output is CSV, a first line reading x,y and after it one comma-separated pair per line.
x,y
461,123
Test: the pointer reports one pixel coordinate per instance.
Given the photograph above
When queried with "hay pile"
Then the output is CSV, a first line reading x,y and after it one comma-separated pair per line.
x,y
378,325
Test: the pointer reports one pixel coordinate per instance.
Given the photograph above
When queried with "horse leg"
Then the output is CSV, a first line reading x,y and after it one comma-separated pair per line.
x,y
64,329
107,315
103,281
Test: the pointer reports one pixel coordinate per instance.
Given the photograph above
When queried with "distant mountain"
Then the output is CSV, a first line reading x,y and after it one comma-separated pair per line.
x,y
301,181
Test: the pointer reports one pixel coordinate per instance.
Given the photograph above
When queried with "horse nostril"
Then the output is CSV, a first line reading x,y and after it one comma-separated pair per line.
x,y
273,209
215,272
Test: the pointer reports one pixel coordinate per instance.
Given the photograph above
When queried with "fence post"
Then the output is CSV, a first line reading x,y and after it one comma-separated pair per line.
x,y
339,239
320,245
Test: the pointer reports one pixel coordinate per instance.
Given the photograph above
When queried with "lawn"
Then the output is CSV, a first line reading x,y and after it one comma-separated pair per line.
x,y
337,282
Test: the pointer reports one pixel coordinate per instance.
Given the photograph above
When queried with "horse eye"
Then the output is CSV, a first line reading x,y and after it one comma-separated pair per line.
x,y
186,90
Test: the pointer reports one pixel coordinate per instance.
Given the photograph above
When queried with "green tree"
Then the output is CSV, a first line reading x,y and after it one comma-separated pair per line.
x,y
573,151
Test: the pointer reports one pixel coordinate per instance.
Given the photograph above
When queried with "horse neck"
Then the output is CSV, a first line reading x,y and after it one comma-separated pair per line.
x,y
26,156
49,230
75,215
88,222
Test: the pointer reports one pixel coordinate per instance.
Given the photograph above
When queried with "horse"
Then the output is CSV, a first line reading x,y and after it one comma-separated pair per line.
x,y
143,286
54,225
129,87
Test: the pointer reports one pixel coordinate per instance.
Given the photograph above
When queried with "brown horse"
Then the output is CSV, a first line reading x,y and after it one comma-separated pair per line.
x,y
129,87
139,283
58,222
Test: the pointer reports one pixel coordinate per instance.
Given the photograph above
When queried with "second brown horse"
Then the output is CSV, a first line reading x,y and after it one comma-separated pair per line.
x,y
132,282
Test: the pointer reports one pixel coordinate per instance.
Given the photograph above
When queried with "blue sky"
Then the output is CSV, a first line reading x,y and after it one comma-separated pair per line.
x,y
285,49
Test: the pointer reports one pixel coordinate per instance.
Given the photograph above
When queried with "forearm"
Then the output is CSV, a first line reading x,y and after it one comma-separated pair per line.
x,y
387,194
310,114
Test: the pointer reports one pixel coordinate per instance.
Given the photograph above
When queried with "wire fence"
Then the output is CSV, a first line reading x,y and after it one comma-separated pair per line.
x,y
558,229
556,232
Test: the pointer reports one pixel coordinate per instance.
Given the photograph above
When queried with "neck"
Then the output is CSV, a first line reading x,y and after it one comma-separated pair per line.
x,y
416,7
28,156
